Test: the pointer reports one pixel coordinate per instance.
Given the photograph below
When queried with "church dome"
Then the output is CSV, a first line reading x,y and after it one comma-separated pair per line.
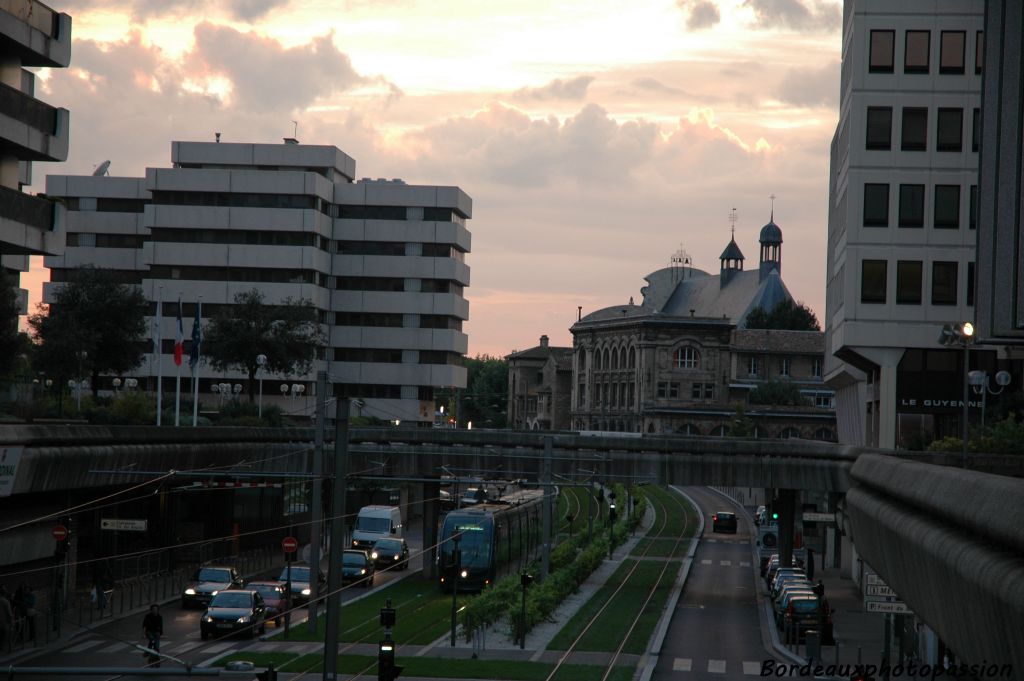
x,y
770,233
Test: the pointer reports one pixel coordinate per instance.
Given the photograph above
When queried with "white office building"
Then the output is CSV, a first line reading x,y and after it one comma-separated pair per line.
x,y
903,194
381,260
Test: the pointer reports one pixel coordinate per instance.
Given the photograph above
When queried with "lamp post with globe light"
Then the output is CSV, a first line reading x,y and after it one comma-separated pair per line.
x,y
979,381
963,335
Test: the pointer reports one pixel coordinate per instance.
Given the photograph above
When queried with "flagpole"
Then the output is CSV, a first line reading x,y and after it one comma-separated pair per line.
x,y
197,334
159,355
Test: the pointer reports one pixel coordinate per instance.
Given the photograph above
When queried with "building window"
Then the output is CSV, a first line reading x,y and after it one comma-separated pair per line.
x,y
908,282
970,284
979,51
662,389
879,132
911,205
673,390
752,365
976,130
702,391
882,47
973,219
687,358
823,401
918,45
632,394
944,283
581,396
816,368
785,366
949,133
872,281
947,206
876,205
914,135
951,51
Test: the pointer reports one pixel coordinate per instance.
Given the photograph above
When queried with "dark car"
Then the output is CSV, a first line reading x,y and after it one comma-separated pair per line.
x,y
300,582
357,567
724,521
802,613
387,552
208,581
234,611
274,595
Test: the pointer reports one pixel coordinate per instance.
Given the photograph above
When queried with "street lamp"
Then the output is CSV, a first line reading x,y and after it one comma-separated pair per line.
x,y
963,335
979,381
261,362
131,383
237,390
117,384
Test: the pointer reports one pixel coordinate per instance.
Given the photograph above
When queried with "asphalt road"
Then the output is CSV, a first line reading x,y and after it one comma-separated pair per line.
x,y
715,630
112,645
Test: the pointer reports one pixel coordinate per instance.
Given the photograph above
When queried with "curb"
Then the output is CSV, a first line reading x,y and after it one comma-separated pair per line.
x,y
650,659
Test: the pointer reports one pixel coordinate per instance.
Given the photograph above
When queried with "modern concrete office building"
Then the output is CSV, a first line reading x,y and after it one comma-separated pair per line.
x,y
31,34
903,197
382,261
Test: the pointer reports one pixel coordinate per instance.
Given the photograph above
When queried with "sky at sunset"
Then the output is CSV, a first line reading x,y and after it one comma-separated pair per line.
x,y
595,137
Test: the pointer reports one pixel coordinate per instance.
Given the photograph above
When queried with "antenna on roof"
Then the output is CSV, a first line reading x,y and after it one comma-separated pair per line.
x,y
102,169
732,220
772,197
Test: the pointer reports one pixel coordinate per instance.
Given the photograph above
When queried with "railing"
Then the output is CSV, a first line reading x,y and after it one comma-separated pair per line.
x,y
28,109
26,209
128,596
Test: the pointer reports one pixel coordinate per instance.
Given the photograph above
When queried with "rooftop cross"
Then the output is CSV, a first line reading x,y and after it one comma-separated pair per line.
x,y
732,220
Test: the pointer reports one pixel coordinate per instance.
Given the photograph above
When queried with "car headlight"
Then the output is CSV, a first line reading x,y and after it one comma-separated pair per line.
x,y
207,619
374,555
396,556
355,543
214,593
305,592
464,574
243,619
190,591
362,571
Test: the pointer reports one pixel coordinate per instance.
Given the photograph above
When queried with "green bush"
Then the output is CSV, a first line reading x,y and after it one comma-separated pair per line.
x,y
1002,437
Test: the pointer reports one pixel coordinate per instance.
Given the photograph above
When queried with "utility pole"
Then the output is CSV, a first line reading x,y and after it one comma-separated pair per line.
x,y
316,526
333,611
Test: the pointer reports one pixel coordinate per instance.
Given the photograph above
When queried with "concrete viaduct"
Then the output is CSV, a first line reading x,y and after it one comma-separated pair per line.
x,y
950,541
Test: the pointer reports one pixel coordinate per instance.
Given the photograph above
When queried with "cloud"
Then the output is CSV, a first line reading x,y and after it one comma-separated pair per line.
x,y
797,15
700,13
558,89
811,87
143,10
648,84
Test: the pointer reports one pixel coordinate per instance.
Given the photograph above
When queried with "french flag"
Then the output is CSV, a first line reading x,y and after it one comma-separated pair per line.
x,y
179,338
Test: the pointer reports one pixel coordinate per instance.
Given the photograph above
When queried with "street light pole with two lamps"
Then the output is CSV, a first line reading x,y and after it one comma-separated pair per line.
x,y
963,335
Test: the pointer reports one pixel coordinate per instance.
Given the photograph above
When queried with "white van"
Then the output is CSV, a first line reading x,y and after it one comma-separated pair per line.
x,y
376,522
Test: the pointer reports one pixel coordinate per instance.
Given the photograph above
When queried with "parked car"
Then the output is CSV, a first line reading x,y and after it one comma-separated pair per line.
x,y
274,593
387,552
357,567
800,615
786,577
299,579
724,521
208,581
234,611
784,599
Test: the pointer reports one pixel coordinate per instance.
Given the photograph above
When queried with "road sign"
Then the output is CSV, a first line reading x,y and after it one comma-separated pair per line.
x,y
59,532
814,517
895,608
9,459
879,590
871,579
289,544
124,524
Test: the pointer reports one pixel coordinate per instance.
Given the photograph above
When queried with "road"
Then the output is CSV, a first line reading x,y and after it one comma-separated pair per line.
x,y
715,630
112,645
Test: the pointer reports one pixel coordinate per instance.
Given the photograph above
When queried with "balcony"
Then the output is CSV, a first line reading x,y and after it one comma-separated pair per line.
x,y
30,129
35,33
27,224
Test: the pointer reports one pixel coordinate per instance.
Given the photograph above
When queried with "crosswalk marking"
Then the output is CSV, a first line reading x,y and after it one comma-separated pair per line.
x,y
682,664
744,563
705,562
219,647
115,648
751,668
716,666
713,541
725,563
83,646
185,647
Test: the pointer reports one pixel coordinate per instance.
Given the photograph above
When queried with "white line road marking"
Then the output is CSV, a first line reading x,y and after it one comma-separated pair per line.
x,y
682,664
716,666
117,647
705,562
726,563
185,647
219,647
751,668
83,646
713,541
744,563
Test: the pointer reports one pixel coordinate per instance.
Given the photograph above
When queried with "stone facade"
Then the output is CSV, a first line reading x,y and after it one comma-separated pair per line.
x,y
540,387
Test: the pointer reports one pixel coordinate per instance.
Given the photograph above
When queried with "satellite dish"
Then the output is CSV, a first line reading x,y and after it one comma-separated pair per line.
x,y
102,169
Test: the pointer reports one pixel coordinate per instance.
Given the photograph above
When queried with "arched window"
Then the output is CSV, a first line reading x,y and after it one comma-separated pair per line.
x,y
606,361
581,360
720,431
650,427
622,358
615,359
789,432
687,357
632,358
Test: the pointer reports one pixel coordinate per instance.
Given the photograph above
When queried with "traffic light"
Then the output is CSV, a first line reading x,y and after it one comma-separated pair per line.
x,y
387,616
270,674
525,579
612,513
387,670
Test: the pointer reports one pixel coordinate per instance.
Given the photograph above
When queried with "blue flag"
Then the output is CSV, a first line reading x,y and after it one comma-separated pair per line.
x,y
197,338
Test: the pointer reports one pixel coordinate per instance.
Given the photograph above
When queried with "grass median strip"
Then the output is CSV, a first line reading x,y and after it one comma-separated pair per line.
x,y
461,668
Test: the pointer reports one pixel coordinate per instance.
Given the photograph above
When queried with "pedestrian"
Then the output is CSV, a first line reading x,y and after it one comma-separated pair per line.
x,y
6,618
810,563
819,589
153,628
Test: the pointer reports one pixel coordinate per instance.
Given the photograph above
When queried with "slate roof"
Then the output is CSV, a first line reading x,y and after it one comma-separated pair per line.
x,y
732,252
743,294
776,340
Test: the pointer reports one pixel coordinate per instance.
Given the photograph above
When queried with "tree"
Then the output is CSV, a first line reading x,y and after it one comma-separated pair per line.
x,y
288,334
12,342
786,315
95,325
778,393
485,399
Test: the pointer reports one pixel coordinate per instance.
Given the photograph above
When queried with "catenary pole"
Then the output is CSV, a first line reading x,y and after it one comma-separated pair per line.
x,y
317,505
333,611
